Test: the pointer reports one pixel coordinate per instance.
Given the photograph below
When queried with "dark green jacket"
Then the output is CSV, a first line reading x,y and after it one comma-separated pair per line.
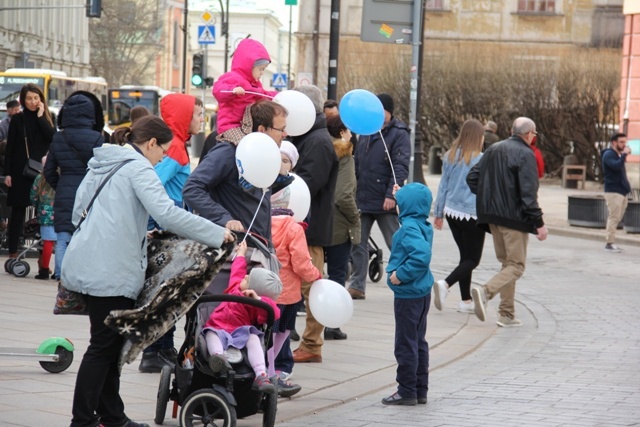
x,y
346,218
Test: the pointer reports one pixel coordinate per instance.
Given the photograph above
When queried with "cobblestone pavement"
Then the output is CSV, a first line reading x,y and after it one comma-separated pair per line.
x,y
574,362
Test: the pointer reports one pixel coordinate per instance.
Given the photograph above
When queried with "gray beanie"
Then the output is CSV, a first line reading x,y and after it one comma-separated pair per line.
x,y
266,283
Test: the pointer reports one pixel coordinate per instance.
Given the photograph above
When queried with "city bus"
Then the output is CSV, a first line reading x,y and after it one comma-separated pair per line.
x,y
55,85
123,99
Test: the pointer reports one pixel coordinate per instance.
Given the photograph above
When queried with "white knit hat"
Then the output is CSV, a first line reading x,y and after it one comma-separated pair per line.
x,y
265,282
290,150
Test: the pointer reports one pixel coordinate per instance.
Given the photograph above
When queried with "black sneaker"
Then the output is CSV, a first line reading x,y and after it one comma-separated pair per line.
x,y
294,335
151,362
129,423
169,355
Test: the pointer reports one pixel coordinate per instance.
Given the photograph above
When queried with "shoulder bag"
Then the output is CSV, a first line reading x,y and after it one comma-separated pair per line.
x,y
32,168
72,302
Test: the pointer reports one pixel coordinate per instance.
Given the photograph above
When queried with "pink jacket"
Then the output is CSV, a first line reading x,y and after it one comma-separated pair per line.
x,y
231,107
231,315
292,252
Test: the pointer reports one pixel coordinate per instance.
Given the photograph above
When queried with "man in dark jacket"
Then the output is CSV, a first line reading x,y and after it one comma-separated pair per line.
x,y
374,194
616,186
318,167
213,189
505,181
81,120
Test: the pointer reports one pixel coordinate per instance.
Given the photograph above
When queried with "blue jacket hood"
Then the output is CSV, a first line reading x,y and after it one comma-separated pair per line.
x,y
79,112
414,201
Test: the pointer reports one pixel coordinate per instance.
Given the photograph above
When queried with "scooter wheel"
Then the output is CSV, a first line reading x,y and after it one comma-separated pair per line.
x,y
7,265
65,357
20,268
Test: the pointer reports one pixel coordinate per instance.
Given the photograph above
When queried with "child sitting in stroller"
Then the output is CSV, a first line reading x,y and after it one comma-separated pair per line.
x,y
231,323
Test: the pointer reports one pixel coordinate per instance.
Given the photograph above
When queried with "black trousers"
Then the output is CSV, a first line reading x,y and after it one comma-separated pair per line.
x,y
14,230
96,399
338,261
411,347
470,240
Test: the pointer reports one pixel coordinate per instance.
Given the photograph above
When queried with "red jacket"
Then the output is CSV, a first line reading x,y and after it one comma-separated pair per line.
x,y
231,315
292,252
231,107
539,158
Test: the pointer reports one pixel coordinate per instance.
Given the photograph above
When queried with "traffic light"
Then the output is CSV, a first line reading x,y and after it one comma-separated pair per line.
x,y
197,76
94,8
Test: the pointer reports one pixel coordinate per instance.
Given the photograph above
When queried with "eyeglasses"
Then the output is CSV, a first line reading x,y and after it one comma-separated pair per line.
x,y
534,132
279,130
164,150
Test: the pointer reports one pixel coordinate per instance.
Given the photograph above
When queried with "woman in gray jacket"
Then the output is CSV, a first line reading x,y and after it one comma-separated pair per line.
x,y
106,259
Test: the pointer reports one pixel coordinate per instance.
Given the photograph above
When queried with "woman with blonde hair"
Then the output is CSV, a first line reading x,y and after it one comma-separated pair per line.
x,y
457,202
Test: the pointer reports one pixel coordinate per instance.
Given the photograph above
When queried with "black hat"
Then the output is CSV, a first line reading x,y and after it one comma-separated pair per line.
x,y
387,102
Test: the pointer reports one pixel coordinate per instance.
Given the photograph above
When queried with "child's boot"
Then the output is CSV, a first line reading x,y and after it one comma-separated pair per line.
x,y
43,274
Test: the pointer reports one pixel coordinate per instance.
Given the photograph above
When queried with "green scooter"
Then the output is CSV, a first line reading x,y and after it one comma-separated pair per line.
x,y
55,354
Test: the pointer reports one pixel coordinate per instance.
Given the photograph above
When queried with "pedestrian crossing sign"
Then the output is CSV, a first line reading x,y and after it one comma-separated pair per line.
x,y
279,80
206,34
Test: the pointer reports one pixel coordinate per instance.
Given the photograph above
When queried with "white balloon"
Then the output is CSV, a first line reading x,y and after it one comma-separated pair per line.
x,y
302,113
330,303
258,159
299,198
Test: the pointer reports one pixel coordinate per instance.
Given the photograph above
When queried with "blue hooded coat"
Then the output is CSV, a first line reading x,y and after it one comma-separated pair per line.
x,y
411,248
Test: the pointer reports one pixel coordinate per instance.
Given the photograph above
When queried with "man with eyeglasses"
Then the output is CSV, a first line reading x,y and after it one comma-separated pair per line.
x,y
215,189
616,186
505,181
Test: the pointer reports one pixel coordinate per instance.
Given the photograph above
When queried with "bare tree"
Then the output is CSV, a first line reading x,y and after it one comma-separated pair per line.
x,y
126,41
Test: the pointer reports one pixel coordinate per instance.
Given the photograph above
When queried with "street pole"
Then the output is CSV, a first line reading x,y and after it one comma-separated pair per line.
x,y
334,45
418,175
416,39
289,59
226,39
185,29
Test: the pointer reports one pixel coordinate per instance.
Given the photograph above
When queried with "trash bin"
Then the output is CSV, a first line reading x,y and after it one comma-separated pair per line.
x,y
435,161
197,142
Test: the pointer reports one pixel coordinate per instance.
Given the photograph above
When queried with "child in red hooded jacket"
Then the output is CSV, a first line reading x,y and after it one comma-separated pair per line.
x,y
232,89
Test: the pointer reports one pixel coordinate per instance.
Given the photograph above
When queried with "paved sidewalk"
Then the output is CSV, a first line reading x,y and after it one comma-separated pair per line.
x,y
600,337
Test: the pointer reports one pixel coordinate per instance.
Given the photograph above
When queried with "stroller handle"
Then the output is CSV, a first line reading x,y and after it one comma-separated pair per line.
x,y
243,300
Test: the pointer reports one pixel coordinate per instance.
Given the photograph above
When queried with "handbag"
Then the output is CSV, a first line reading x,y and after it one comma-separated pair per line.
x,y
72,302
32,168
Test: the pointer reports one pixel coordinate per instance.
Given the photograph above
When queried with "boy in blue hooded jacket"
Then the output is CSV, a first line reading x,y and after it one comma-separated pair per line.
x,y
411,280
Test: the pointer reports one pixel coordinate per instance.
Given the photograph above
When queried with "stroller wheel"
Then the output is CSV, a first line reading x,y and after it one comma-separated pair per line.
x,y
20,268
269,409
375,269
206,407
163,394
7,264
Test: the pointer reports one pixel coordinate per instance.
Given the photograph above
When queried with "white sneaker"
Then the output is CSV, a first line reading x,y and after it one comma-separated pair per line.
x,y
611,247
464,307
479,295
507,322
440,291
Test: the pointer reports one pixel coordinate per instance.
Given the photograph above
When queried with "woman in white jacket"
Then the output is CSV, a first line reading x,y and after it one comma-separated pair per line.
x,y
106,258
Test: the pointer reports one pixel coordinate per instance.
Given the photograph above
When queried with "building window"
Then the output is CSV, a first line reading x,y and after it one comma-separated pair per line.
x,y
537,6
435,4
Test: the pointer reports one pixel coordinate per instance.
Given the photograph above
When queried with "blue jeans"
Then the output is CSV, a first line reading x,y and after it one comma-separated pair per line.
x,y
63,239
388,224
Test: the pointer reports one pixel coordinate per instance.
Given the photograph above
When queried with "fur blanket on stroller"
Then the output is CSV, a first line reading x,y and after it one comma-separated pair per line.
x,y
178,272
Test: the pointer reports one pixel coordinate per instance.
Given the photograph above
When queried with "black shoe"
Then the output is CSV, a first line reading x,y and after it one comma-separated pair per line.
x,y
294,336
334,334
169,355
152,362
396,399
129,423
422,400
43,274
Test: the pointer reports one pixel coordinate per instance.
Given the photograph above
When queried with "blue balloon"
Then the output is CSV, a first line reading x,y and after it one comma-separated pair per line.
x,y
362,112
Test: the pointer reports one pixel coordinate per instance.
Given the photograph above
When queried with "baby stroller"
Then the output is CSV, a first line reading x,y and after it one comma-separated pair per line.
x,y
217,399
18,266
375,262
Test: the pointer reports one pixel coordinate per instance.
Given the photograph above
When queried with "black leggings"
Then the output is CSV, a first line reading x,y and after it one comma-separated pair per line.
x,y
14,231
470,240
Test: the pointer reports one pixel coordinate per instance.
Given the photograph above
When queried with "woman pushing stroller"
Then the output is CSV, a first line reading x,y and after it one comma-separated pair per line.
x,y
232,324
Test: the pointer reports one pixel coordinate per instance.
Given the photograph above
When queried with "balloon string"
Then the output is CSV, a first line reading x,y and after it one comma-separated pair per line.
x,y
264,191
389,157
252,93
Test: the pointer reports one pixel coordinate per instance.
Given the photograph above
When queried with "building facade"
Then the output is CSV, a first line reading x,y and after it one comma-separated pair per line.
x,y
31,37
